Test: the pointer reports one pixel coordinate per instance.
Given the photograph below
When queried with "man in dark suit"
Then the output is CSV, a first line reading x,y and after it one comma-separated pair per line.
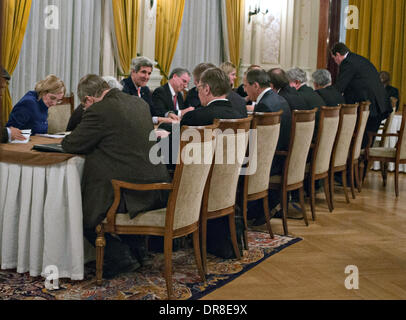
x,y
297,79
280,85
168,99
257,85
359,81
213,88
10,133
322,85
390,91
114,136
136,83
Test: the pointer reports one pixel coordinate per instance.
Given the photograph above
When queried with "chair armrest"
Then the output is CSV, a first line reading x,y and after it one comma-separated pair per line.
x,y
141,186
281,153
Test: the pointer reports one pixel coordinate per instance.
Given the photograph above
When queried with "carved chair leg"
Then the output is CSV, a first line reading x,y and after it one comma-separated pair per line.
x,y
233,234
198,257
344,179
267,216
302,205
244,212
313,198
168,265
203,243
331,181
100,244
284,203
327,193
397,179
352,180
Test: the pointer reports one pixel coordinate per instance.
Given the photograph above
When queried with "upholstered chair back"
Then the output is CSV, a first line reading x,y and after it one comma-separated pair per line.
x,y
196,158
59,115
303,122
264,139
231,146
348,120
363,114
328,126
388,122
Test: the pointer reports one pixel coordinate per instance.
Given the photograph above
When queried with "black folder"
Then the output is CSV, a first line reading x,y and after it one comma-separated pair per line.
x,y
49,147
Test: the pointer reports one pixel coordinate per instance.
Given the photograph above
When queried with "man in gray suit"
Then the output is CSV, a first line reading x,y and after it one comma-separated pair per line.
x,y
114,136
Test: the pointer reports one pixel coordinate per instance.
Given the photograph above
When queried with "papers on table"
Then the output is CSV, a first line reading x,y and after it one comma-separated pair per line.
x,y
21,141
55,135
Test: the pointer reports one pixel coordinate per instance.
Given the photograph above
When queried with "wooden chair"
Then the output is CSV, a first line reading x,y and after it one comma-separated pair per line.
x,y
341,149
180,217
355,150
232,140
301,135
396,155
265,128
321,154
59,115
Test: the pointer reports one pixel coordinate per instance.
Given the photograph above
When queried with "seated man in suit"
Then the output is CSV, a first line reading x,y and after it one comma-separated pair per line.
x,y
114,135
280,85
213,88
257,86
322,85
297,79
240,90
10,133
390,91
192,98
168,99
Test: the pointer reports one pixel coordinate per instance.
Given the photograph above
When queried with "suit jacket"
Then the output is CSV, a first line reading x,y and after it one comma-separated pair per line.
x,y
238,103
359,81
272,102
331,96
163,102
294,99
129,87
75,118
114,136
311,98
192,99
221,109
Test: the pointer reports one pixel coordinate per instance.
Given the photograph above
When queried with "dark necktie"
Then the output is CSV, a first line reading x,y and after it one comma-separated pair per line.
x,y
174,101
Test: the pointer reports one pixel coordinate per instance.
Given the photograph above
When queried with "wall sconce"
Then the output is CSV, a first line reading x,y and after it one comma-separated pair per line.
x,y
255,12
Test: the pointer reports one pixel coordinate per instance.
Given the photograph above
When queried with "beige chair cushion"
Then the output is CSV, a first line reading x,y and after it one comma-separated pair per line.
x,y
263,153
344,140
382,152
229,156
58,118
155,218
301,144
326,143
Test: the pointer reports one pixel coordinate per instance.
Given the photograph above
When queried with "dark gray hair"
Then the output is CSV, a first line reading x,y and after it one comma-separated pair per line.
x,y
321,77
297,74
179,72
91,85
260,76
278,78
217,80
139,62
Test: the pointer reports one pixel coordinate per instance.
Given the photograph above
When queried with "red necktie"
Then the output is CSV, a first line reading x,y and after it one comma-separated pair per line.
x,y
174,102
139,92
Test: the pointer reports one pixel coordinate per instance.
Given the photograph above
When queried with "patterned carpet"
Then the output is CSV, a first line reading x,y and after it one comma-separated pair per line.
x,y
147,283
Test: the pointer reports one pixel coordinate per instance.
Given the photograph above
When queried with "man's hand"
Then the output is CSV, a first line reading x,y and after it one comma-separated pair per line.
x,y
16,134
184,111
166,120
250,108
173,116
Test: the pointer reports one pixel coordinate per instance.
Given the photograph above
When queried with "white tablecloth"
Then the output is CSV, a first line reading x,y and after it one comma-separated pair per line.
x,y
41,218
391,142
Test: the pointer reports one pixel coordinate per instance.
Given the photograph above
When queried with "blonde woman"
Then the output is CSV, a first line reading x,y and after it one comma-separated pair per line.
x,y
31,112
230,70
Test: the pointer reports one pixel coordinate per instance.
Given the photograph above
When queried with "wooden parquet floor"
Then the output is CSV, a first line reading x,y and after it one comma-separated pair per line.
x,y
369,233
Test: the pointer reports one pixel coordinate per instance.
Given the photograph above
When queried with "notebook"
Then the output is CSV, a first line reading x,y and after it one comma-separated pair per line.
x,y
49,147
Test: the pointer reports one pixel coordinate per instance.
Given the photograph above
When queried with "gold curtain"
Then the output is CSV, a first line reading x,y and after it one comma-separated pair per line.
x,y
14,19
235,19
381,37
126,13
169,17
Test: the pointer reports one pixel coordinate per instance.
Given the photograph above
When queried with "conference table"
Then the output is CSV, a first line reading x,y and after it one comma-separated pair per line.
x,y
391,142
41,211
